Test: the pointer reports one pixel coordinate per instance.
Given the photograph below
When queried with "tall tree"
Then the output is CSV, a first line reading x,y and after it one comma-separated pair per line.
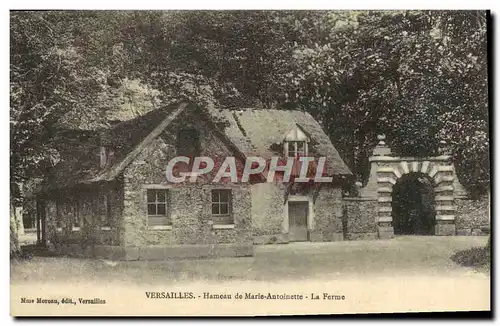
x,y
407,74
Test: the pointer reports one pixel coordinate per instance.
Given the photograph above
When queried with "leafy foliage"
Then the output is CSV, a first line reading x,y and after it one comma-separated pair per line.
x,y
406,74
48,77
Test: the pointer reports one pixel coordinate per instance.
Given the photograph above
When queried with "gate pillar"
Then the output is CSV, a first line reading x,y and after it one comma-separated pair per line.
x,y
386,169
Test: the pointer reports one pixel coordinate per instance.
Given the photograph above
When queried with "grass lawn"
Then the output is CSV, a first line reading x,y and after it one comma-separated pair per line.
x,y
409,256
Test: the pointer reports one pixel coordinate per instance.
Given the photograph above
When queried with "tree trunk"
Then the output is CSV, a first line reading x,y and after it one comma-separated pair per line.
x,y
19,220
15,248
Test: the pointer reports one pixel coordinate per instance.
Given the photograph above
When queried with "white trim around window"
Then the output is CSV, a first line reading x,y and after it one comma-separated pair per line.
x,y
221,208
160,227
222,226
295,148
157,207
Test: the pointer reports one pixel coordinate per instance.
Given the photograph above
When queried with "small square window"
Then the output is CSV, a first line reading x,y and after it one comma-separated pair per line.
x,y
221,207
158,207
297,149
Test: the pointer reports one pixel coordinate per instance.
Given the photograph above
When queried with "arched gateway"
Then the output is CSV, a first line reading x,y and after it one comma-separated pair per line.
x,y
386,170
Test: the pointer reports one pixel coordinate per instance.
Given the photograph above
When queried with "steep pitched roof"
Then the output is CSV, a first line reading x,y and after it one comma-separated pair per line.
x,y
78,159
246,132
129,138
80,148
261,133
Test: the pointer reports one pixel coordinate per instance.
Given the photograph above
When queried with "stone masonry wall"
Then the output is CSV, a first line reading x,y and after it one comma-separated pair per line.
x,y
327,215
190,203
472,216
190,211
268,213
360,218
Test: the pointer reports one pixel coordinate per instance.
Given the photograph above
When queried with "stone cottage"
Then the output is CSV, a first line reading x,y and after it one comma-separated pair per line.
x,y
109,197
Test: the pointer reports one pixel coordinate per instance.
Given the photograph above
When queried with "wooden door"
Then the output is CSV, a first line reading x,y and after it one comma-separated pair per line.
x,y
297,219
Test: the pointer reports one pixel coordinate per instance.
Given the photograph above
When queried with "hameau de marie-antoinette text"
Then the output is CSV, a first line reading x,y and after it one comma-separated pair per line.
x,y
243,296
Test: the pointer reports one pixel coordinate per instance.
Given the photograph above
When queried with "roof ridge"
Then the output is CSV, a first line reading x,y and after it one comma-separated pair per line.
x,y
139,117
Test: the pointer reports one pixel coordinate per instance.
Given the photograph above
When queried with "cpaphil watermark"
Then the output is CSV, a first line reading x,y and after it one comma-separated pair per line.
x,y
302,169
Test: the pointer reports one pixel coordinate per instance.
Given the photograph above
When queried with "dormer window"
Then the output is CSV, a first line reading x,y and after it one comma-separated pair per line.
x,y
297,148
296,142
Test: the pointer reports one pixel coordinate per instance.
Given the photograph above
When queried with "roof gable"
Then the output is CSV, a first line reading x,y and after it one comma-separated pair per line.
x,y
296,134
113,171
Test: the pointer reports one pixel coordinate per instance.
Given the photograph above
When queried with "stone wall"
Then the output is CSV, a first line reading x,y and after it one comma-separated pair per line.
x,y
190,212
472,216
189,203
268,213
360,218
327,215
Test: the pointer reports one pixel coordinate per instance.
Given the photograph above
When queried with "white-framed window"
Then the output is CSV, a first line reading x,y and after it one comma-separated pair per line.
x,y
296,143
158,208
222,207
296,149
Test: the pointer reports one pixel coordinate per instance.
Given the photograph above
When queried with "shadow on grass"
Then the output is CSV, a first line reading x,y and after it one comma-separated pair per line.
x,y
477,258
31,250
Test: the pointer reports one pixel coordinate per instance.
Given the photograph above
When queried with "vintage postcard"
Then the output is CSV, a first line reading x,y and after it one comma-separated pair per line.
x,y
249,163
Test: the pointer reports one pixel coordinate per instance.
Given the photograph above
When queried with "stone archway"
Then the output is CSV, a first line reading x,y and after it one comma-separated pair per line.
x,y
413,205
386,170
